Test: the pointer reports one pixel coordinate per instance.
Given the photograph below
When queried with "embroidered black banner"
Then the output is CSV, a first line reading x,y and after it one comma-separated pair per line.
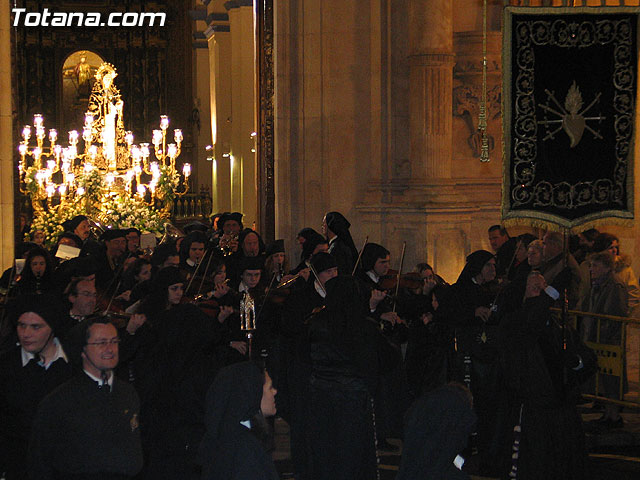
x,y
569,92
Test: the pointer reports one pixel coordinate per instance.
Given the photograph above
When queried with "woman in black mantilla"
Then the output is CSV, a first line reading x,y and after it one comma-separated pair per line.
x,y
437,428
466,305
348,354
37,275
341,245
235,445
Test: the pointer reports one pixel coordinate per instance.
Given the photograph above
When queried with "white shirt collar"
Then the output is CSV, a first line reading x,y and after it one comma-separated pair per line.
x,y
319,289
246,423
26,356
99,380
243,287
190,262
373,276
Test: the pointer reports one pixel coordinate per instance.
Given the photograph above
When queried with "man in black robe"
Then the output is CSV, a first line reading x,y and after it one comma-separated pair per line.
x,y
28,373
545,437
88,427
110,262
391,399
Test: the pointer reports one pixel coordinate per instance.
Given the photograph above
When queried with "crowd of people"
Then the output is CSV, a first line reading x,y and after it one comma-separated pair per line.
x,y
124,363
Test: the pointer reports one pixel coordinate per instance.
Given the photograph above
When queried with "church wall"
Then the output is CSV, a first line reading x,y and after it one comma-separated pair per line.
x,y
6,142
350,130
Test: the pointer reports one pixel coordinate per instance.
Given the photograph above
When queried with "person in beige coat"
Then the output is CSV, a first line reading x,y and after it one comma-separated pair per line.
x,y
608,295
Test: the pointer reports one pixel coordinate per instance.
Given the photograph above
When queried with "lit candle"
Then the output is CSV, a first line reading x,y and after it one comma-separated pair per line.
x,y
177,135
73,137
53,135
172,150
88,120
157,137
144,150
128,137
186,169
37,120
22,149
141,190
164,122
26,132
80,191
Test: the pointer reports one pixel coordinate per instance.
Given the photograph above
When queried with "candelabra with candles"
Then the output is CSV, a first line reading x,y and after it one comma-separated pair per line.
x,y
248,317
108,165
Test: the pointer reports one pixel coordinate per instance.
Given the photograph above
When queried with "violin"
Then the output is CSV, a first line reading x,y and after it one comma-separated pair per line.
x,y
411,280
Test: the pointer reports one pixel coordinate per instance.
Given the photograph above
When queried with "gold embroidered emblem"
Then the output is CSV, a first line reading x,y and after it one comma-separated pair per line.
x,y
570,117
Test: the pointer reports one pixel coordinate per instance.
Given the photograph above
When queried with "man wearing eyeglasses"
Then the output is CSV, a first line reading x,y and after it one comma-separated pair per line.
x,y
89,426
82,296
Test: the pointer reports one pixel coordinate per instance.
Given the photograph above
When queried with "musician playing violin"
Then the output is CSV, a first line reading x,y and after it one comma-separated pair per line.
x,y
110,261
375,262
391,396
191,252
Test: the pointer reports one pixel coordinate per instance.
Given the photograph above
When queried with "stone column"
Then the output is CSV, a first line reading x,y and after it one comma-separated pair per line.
x,y
243,108
6,142
431,62
219,44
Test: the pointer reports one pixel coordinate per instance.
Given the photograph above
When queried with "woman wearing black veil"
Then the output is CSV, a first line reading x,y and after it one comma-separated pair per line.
x,y
234,447
341,245
348,354
437,428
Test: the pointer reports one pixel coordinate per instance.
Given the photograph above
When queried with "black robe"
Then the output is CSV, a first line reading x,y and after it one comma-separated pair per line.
x,y
476,360
84,432
229,449
437,429
542,393
293,386
21,390
344,254
349,355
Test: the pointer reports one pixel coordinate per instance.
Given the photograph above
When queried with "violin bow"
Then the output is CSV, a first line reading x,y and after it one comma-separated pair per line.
x,y
395,300
204,275
117,276
266,296
195,272
355,267
315,274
